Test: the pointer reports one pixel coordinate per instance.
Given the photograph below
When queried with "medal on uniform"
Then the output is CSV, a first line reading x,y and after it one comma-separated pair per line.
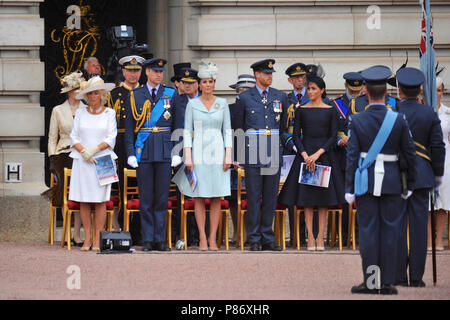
x,y
264,100
166,104
166,115
277,106
217,106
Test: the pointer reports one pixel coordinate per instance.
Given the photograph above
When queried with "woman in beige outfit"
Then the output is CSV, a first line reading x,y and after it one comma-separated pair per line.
x,y
61,124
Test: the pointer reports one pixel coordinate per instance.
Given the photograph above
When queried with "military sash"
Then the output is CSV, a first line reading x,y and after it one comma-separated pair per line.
x,y
341,107
391,101
145,131
361,175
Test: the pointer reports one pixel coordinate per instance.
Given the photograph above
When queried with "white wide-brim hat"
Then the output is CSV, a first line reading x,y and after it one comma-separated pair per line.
x,y
94,83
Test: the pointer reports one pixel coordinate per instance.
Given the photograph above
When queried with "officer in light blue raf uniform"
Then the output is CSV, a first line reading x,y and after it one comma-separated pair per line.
x,y
361,103
150,116
426,130
259,112
376,137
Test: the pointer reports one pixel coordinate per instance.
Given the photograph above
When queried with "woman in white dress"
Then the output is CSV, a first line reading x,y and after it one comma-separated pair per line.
x,y
93,135
442,202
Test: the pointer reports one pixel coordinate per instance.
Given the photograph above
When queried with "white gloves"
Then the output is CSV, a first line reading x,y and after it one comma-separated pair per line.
x,y
407,195
294,148
438,181
176,161
88,154
132,162
350,198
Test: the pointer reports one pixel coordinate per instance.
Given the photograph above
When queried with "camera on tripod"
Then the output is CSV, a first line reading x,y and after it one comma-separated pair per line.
x,y
123,41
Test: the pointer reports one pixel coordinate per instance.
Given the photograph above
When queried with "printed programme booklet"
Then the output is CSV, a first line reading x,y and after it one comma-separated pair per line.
x,y
106,170
288,160
320,177
192,178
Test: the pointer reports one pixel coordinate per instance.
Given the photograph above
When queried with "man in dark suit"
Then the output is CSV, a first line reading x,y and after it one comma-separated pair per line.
x,y
151,116
259,113
189,81
131,71
376,137
353,86
430,157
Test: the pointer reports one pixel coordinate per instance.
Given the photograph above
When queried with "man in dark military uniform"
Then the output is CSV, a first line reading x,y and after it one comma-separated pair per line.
x,y
297,97
353,86
150,115
189,81
131,71
361,103
376,137
259,113
176,79
430,157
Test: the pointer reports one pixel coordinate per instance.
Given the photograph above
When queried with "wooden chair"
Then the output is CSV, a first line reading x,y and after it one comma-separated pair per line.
x,y
331,230
297,212
70,207
241,208
52,210
131,204
188,206
280,222
351,237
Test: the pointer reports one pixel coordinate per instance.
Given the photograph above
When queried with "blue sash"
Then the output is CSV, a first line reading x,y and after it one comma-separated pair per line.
x,y
392,102
156,113
342,108
361,176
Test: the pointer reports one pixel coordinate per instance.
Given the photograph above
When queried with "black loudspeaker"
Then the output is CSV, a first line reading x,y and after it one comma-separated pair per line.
x,y
115,241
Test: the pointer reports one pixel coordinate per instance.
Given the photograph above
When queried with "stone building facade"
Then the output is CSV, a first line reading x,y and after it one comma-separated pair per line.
x,y
340,35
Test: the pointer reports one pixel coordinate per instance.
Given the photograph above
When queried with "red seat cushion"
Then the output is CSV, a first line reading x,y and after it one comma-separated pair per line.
x,y
74,205
173,199
133,204
115,200
189,204
281,206
338,207
244,204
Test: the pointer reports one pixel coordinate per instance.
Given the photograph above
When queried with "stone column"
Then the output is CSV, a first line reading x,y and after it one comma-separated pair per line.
x,y
23,214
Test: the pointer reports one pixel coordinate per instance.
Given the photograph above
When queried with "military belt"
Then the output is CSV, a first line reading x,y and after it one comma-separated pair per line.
x,y
266,132
155,129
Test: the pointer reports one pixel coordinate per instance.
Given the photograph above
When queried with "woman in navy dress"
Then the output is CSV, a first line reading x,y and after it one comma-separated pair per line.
x,y
315,137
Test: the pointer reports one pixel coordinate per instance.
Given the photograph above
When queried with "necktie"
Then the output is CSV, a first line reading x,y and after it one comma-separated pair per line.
x,y
264,94
153,94
299,97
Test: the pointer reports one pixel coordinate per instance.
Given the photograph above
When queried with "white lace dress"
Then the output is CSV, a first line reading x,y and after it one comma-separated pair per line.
x,y
443,198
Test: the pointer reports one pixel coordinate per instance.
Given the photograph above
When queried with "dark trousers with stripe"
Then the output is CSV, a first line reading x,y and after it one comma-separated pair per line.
x,y
153,181
379,221
414,210
262,195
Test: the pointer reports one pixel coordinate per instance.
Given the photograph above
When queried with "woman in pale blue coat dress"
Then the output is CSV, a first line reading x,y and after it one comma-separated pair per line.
x,y
207,153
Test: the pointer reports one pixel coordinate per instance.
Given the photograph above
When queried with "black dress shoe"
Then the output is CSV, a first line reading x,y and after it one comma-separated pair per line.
x,y
402,283
161,246
255,247
271,247
362,289
147,246
388,289
417,283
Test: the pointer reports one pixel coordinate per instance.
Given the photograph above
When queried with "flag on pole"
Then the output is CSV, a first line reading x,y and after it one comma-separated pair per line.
x,y
428,55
